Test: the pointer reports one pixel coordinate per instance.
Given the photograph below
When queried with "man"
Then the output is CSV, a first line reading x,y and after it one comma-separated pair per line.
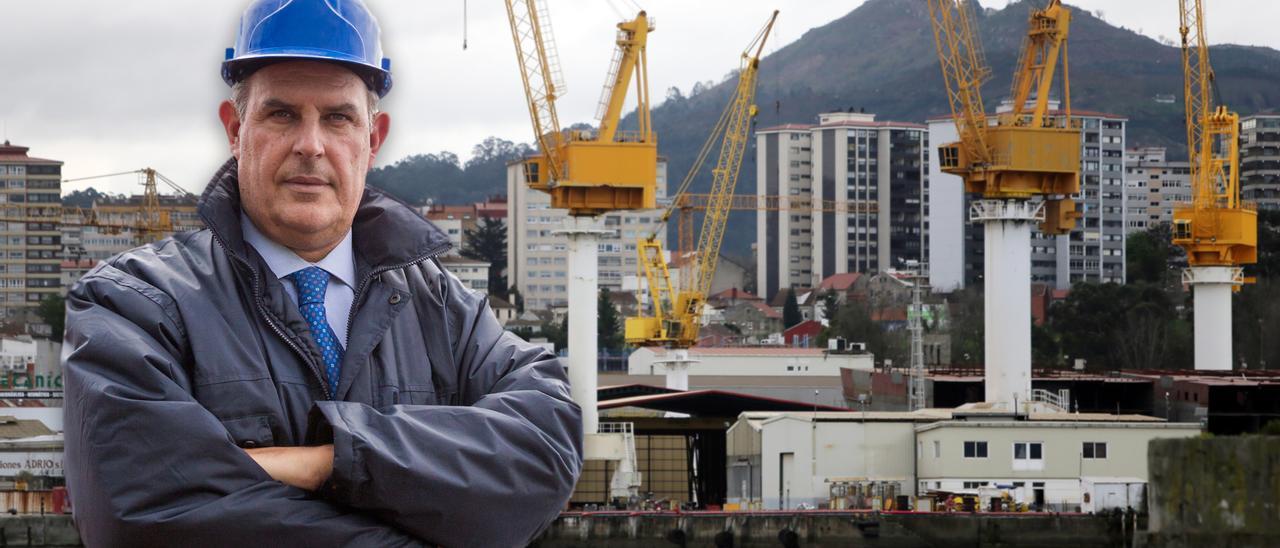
x,y
303,372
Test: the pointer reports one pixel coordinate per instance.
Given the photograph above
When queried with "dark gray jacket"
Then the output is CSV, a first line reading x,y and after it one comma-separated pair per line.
x,y
446,429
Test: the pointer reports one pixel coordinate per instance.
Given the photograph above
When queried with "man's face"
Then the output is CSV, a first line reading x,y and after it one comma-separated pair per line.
x,y
304,143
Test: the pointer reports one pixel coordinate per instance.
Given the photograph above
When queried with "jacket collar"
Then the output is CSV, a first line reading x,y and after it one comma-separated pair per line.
x,y
386,232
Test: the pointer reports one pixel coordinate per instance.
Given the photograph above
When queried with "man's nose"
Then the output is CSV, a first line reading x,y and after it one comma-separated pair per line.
x,y
309,142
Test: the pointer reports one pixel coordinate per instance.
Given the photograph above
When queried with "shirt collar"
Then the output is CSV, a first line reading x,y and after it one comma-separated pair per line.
x,y
340,262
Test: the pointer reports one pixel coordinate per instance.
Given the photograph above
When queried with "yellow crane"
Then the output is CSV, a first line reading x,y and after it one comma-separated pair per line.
x,y
587,172
1024,168
1029,152
152,223
674,319
1217,229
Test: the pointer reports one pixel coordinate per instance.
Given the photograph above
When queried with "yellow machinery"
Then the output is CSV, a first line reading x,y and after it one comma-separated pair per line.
x,y
152,223
1030,151
587,172
1216,228
675,316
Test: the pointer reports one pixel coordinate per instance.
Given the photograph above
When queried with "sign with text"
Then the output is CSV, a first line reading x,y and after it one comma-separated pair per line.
x,y
42,463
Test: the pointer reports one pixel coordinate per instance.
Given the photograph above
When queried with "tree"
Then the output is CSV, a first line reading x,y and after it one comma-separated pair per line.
x,y
1044,346
517,300
1116,326
854,324
830,304
791,310
488,242
53,311
608,325
1148,255
557,333
967,326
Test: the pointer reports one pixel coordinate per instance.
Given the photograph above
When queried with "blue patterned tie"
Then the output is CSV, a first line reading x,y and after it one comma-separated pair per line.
x,y
311,283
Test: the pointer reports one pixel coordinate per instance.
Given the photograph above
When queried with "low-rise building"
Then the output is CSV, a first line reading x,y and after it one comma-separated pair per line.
x,y
754,319
796,374
783,461
471,272
1046,455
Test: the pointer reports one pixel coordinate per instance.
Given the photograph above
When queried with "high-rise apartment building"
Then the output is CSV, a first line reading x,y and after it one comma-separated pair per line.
x,y
537,257
30,244
1093,251
1260,160
1155,187
874,177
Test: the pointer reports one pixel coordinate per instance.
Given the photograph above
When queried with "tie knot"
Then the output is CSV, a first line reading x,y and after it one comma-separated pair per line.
x,y
310,283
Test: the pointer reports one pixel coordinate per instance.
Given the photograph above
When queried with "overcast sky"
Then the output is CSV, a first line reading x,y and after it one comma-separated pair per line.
x,y
116,86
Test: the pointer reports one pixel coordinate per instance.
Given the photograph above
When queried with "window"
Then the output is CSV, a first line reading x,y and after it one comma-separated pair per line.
x,y
975,484
1028,455
937,449
975,449
1095,450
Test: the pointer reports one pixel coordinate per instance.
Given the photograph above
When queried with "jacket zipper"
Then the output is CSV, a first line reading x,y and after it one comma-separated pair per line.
x,y
262,310
355,301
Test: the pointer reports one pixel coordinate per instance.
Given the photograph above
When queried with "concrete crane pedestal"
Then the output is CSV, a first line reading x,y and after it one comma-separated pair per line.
x,y
1211,287
584,235
1007,296
616,442
677,364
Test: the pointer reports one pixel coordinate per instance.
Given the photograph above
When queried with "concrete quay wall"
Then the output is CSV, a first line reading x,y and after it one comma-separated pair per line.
x,y
832,528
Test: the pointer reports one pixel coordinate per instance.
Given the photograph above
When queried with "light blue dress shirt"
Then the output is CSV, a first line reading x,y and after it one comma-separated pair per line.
x,y
339,263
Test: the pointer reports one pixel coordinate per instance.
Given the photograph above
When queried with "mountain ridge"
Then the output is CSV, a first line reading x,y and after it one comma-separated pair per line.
x,y
880,57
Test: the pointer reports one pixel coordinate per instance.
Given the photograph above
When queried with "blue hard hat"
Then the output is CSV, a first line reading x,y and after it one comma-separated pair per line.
x,y
340,31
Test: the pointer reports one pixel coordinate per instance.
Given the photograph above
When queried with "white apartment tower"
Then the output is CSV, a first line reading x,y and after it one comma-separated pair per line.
x,y
537,258
872,179
1155,185
30,252
1093,251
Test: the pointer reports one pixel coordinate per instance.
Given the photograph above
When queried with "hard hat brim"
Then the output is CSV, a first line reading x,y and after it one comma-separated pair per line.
x,y
236,70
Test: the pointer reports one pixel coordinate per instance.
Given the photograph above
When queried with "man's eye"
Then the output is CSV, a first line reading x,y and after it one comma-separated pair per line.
x,y
339,117
282,114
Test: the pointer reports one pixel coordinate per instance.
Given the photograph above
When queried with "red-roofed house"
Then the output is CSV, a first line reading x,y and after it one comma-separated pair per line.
x,y
730,297
803,334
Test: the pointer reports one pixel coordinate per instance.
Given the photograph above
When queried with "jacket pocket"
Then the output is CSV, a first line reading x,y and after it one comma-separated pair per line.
x,y
249,432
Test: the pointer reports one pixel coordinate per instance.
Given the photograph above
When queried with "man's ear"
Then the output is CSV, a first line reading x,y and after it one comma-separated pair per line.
x,y
231,123
378,134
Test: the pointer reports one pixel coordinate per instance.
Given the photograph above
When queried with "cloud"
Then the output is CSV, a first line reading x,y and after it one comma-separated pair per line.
x,y
114,86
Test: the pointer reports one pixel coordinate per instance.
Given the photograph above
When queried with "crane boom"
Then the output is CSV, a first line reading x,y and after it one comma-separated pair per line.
x,y
629,59
543,80
676,316
964,70
1046,38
